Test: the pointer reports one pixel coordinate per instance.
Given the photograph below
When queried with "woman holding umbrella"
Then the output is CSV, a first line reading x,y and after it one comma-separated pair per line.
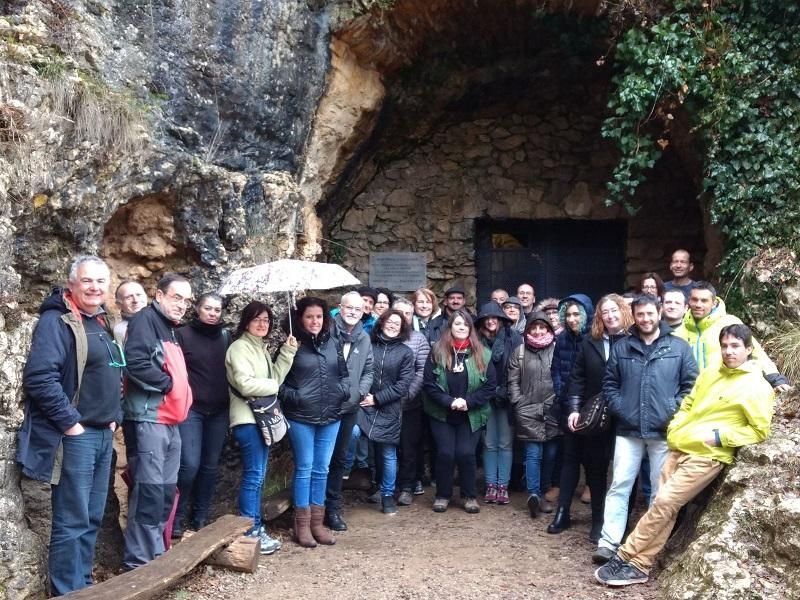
x,y
311,397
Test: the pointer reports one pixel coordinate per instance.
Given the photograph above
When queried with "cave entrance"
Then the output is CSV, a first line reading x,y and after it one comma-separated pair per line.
x,y
559,257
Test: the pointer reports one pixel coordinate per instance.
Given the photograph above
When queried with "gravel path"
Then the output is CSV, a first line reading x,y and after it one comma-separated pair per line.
x,y
499,553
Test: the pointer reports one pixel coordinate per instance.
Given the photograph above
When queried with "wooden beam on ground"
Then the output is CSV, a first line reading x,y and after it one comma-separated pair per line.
x,y
158,575
241,555
277,504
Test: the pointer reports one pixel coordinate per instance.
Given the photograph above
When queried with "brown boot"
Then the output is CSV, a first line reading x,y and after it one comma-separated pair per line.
x,y
302,528
318,530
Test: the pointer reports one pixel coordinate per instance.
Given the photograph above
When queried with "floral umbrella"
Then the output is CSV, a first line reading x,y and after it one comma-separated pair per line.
x,y
287,275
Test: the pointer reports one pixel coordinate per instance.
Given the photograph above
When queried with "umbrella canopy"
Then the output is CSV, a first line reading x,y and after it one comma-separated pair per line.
x,y
287,275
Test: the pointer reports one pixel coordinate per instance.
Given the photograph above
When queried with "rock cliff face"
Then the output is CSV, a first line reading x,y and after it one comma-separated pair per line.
x,y
201,136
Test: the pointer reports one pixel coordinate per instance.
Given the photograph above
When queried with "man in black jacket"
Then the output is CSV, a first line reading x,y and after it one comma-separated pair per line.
x,y
72,407
648,374
347,329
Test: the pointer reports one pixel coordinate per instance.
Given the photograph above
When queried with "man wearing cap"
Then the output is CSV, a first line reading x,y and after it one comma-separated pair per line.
x,y
549,306
453,300
370,297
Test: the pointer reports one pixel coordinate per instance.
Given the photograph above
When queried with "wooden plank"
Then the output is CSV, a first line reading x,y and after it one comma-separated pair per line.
x,y
161,573
242,555
277,504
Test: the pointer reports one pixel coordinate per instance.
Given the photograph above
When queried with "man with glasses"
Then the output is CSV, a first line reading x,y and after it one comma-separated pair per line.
x,y
72,407
157,400
348,331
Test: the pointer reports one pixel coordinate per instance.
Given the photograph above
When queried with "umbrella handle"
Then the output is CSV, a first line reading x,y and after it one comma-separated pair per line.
x,y
289,302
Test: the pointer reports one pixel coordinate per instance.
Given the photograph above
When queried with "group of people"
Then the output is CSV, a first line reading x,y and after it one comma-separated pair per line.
x,y
406,377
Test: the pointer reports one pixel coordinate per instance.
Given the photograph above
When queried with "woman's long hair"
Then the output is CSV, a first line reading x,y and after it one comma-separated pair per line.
x,y
250,312
443,349
625,315
659,283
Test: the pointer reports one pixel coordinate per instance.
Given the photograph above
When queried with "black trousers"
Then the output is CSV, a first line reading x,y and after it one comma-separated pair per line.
x,y
333,489
410,449
455,445
594,453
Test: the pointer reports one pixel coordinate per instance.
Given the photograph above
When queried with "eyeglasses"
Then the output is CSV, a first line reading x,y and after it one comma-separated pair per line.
x,y
116,362
354,309
393,324
179,300
386,302
610,311
261,321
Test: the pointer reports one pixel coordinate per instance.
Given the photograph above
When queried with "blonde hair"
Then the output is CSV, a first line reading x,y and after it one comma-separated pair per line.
x,y
425,292
626,317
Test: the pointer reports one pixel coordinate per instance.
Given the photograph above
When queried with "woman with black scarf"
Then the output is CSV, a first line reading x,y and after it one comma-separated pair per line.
x,y
204,342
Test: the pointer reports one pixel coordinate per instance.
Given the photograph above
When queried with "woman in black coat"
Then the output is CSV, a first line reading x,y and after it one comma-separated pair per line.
x,y
311,397
612,318
380,412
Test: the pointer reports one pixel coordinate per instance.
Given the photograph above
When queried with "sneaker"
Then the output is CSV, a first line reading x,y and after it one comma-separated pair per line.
x,y
491,494
440,505
388,506
346,475
418,489
617,572
533,505
405,498
551,495
502,494
374,498
602,555
269,545
471,506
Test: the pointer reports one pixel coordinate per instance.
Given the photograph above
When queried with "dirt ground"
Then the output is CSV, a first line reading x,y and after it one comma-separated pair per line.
x,y
499,553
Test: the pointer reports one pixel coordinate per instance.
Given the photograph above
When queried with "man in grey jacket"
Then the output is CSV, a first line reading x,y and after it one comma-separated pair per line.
x,y
648,374
356,346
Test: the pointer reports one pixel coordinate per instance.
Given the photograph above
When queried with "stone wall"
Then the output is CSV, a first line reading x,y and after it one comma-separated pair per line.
x,y
539,158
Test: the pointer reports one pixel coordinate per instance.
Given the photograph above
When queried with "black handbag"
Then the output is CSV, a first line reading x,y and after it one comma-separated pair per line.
x,y
268,416
594,417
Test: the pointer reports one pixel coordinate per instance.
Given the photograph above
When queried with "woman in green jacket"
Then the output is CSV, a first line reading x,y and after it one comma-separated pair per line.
x,y
459,380
251,373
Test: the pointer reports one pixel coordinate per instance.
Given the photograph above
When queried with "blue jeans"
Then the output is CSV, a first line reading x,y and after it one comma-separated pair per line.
x,y
79,501
312,446
497,451
628,455
540,457
202,439
388,456
357,453
255,457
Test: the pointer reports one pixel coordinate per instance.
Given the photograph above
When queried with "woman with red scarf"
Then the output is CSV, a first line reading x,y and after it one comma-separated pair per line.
x,y
533,404
459,380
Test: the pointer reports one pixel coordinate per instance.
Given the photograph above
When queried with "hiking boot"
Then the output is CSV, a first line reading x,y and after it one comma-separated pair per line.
x,y
586,495
551,495
617,572
374,498
602,555
334,521
269,545
471,506
418,489
388,505
491,494
440,505
405,498
502,494
545,507
533,505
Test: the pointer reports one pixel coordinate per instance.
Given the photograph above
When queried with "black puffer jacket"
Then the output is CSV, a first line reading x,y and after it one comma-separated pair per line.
x,y
586,379
318,383
393,371
645,390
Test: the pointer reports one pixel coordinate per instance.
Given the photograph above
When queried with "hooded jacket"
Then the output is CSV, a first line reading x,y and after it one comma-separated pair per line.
x,y
566,348
530,390
736,403
519,326
645,389
51,380
393,371
157,387
703,337
502,347
318,383
359,360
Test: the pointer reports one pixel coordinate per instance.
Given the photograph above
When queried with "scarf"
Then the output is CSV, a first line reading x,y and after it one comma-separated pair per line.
x,y
543,340
460,346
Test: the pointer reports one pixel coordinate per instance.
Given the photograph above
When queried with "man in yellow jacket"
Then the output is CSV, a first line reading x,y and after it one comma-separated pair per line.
x,y
730,406
701,326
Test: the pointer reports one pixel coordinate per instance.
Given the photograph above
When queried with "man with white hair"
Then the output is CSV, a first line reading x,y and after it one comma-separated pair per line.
x,y
348,331
72,407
